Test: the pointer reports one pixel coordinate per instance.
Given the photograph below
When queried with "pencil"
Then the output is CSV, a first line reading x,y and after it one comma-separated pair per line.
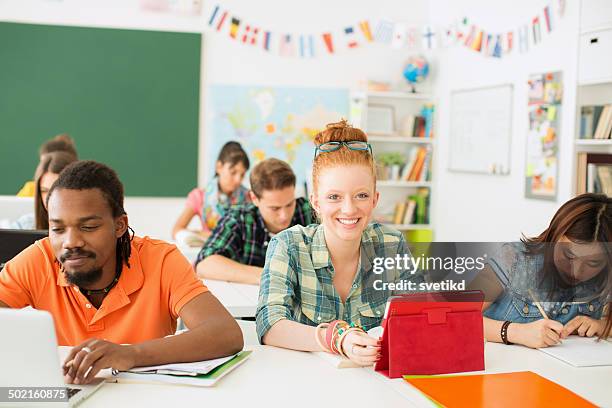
x,y
538,305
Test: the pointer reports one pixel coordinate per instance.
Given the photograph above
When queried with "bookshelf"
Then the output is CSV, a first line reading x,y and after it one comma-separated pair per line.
x,y
592,170
403,147
593,157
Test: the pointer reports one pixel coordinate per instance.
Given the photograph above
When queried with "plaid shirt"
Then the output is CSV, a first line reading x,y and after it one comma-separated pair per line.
x,y
241,234
296,283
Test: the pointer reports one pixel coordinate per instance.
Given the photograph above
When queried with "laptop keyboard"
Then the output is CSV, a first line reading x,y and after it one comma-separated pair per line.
x,y
72,391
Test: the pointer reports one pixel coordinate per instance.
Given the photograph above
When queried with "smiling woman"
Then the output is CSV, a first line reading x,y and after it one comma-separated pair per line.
x,y
316,275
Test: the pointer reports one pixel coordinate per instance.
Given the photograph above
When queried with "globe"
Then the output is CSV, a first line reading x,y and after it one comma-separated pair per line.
x,y
416,70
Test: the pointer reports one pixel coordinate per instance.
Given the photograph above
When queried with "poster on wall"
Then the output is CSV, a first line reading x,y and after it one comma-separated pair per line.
x,y
278,122
545,93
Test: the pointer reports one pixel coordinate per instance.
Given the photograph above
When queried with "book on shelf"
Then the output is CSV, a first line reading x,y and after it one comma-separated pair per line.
x,y
596,122
594,173
415,210
418,166
413,126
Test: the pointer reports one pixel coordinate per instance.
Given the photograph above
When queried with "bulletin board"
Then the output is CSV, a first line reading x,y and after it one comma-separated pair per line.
x,y
542,165
481,130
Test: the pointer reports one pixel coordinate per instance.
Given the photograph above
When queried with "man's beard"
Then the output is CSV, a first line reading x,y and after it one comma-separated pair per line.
x,y
83,279
80,278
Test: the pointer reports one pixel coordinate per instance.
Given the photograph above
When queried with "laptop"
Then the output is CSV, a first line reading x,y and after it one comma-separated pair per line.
x,y
29,356
14,241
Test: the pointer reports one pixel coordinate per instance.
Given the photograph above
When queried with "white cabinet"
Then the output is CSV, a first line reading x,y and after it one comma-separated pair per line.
x,y
595,57
595,15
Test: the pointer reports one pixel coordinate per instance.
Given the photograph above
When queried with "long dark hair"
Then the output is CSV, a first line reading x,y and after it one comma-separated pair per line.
x,y
85,175
583,219
54,163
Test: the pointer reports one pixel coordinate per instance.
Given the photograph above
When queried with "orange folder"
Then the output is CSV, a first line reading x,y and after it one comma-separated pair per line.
x,y
521,389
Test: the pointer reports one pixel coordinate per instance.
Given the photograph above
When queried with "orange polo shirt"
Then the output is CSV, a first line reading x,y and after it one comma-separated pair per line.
x,y
143,305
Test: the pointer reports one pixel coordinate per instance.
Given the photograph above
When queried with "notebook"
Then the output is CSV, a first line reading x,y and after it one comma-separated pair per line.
x,y
184,377
507,390
582,351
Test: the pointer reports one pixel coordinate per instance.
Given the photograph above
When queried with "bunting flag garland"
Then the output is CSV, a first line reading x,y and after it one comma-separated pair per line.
x,y
234,27
400,32
306,46
287,49
396,34
429,39
537,35
365,29
412,36
266,41
384,31
509,42
351,43
329,43
523,34
548,19
250,35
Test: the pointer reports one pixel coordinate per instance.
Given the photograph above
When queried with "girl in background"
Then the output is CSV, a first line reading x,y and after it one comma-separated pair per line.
x,y
62,143
47,171
210,203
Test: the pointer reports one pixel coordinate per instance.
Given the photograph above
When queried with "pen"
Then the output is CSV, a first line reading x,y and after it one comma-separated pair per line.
x,y
538,305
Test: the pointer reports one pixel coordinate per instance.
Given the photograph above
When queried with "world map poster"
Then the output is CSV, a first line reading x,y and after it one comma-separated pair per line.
x,y
278,122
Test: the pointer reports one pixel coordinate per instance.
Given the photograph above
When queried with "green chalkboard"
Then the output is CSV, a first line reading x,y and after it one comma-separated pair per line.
x,y
129,98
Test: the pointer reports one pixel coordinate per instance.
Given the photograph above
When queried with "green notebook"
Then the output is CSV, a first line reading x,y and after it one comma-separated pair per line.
x,y
202,380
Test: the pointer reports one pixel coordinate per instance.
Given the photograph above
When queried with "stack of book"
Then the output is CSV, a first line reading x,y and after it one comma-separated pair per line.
x,y
414,126
418,166
596,122
415,210
594,173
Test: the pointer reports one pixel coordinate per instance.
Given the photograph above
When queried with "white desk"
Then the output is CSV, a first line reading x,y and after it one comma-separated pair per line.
x,y
239,299
275,377
271,377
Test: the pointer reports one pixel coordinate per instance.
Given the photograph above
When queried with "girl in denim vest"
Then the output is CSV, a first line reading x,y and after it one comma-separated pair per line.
x,y
548,287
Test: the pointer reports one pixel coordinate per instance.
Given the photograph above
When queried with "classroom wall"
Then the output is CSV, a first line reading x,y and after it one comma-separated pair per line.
x,y
226,61
470,207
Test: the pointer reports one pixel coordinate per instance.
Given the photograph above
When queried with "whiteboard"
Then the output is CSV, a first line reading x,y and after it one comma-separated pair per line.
x,y
481,130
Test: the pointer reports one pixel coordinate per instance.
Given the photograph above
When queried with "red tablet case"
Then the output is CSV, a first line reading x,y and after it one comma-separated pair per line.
x,y
432,333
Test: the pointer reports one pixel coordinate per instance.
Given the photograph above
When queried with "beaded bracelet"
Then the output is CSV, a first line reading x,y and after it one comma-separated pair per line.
x,y
504,332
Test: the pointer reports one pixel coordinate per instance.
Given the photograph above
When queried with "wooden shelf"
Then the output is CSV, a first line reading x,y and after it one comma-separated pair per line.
x,y
409,226
398,95
399,139
400,183
593,142
597,81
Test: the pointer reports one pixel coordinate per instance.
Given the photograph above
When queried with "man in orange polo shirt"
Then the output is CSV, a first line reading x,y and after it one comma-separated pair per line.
x,y
106,288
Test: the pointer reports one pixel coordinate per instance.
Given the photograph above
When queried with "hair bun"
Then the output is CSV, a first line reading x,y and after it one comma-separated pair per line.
x,y
343,124
339,132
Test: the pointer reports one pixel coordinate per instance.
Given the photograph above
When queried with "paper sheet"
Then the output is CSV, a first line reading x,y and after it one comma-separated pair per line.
x,y
582,352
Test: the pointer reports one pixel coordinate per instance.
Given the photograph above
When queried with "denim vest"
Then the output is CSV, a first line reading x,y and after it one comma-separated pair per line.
x,y
518,273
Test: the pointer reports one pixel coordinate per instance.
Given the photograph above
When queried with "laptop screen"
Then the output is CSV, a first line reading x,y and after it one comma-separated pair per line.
x,y
13,242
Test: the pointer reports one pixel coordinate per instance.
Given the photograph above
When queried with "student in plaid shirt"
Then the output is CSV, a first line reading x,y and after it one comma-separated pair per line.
x,y
236,249
320,277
